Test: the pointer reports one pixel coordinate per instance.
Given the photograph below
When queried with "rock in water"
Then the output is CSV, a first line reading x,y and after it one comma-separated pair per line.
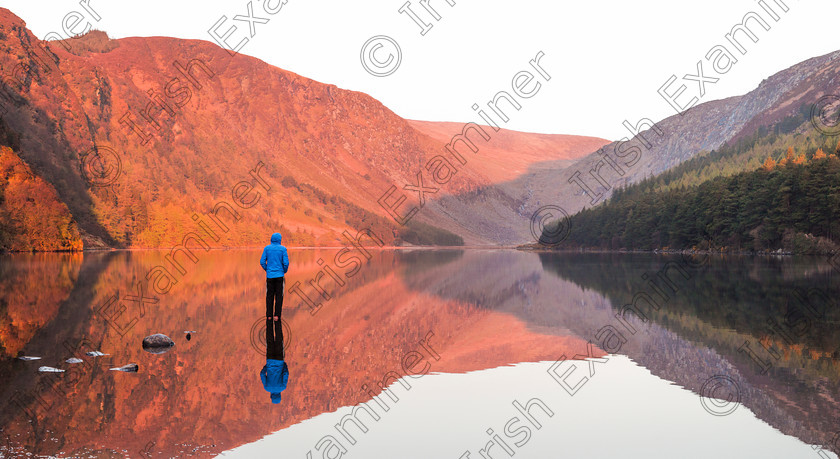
x,y
157,343
28,358
74,360
50,370
130,368
95,354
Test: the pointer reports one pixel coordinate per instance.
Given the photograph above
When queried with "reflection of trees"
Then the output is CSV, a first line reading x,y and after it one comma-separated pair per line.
x,y
733,298
25,306
59,305
725,305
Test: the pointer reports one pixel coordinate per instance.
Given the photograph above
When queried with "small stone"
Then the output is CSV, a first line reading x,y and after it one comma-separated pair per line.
x,y
130,368
28,358
95,354
74,360
157,343
50,370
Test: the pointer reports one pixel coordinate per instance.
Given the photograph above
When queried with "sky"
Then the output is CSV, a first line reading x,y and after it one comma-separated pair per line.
x,y
603,63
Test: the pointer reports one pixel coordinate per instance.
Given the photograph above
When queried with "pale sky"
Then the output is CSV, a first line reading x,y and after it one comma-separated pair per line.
x,y
606,59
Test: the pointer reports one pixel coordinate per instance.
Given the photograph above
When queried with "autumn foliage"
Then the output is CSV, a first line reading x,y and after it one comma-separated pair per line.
x,y
769,164
31,215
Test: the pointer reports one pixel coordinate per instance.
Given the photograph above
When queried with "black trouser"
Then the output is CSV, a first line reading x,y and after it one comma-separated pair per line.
x,y
274,296
274,340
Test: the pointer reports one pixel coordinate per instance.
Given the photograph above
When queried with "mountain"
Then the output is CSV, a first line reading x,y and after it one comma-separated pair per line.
x,y
703,128
503,212
773,190
509,154
143,137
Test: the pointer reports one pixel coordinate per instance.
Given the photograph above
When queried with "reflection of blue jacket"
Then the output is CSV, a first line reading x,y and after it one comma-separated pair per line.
x,y
275,258
274,376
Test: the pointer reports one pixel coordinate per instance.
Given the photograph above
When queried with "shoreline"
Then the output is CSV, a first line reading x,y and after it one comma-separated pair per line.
x,y
523,248
776,253
256,247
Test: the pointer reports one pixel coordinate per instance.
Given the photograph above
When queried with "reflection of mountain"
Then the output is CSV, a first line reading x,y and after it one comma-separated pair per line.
x,y
206,390
693,337
726,304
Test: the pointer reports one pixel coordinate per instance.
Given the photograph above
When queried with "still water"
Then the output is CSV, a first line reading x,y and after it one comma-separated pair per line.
x,y
485,353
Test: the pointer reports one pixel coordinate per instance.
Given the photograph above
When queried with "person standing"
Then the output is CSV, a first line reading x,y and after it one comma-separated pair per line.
x,y
275,263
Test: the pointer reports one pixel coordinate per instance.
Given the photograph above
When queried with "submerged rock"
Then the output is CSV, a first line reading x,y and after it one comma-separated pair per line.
x,y
95,354
130,368
74,360
157,343
50,370
28,358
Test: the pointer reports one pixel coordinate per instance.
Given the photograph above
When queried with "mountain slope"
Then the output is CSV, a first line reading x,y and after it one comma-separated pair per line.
x,y
31,215
509,154
503,212
139,135
704,128
180,125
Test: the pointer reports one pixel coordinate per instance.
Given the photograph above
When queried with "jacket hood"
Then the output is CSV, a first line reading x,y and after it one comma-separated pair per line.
x,y
276,238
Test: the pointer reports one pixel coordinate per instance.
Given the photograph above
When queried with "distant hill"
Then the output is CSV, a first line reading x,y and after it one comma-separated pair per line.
x,y
510,154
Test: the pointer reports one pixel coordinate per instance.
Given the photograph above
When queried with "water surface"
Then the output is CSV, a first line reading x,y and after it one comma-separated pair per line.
x,y
457,335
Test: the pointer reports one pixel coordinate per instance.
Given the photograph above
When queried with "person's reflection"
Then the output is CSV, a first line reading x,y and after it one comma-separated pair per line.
x,y
275,373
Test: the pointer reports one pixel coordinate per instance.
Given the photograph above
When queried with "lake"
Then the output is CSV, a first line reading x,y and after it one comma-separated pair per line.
x,y
484,353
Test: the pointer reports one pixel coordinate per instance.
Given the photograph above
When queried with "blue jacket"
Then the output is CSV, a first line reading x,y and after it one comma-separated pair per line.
x,y
275,377
275,258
